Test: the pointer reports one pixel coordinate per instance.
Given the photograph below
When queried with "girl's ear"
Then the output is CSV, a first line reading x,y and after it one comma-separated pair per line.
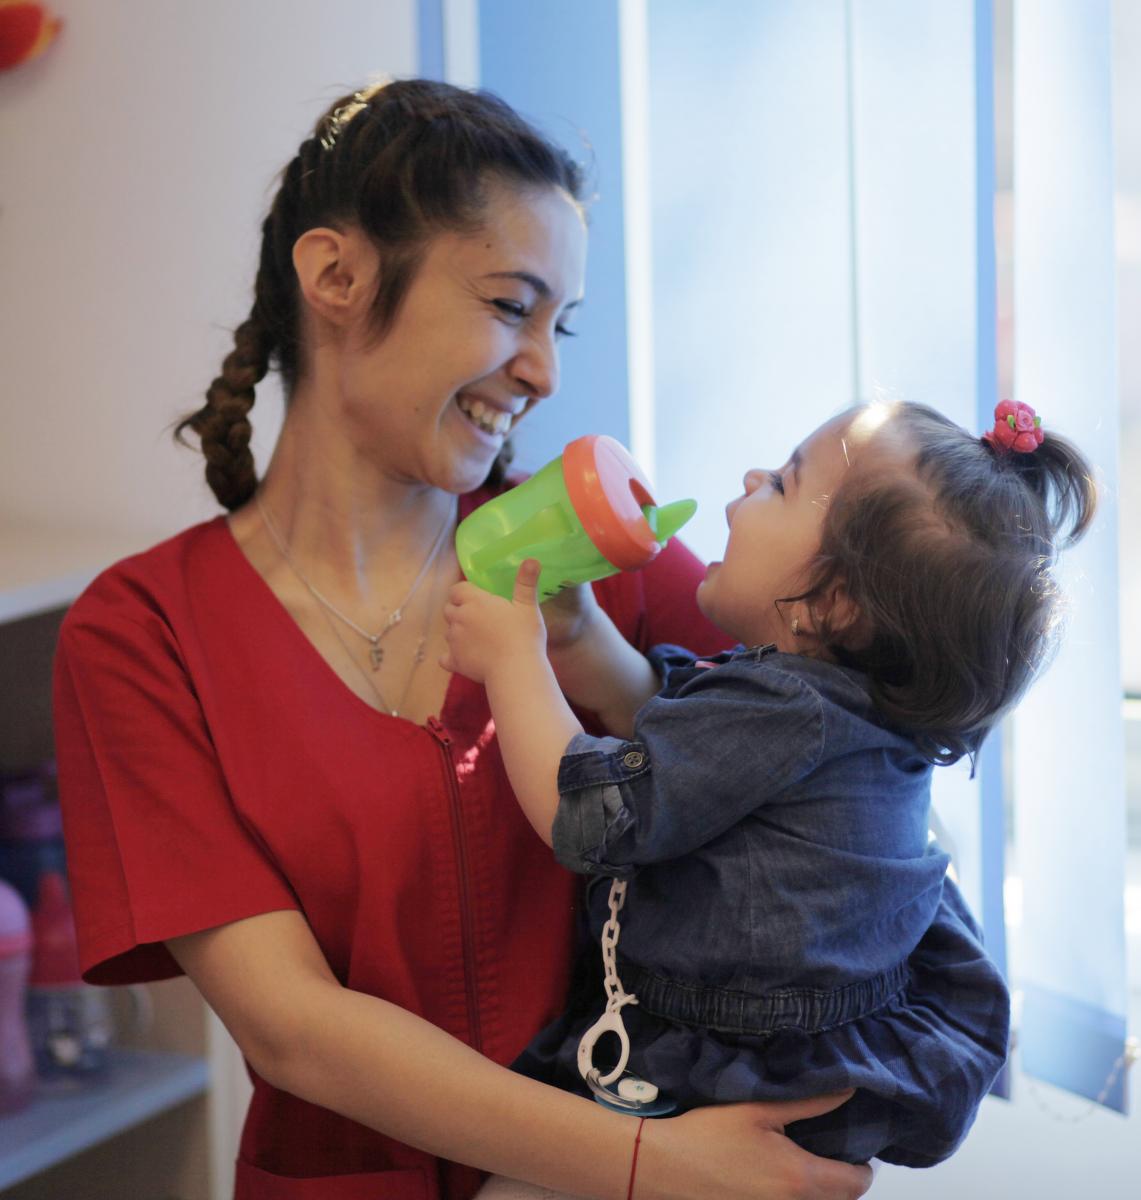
x,y
844,617
336,272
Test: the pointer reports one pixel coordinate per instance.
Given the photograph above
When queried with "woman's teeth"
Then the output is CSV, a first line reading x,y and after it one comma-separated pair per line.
x,y
490,420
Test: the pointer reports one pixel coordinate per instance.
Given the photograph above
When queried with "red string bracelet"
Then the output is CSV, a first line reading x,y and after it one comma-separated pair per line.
x,y
634,1161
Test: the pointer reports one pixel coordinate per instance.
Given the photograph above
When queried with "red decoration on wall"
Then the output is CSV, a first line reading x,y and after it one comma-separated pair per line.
x,y
26,30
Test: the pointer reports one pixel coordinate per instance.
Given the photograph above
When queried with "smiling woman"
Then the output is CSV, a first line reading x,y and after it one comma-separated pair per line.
x,y
270,781
472,347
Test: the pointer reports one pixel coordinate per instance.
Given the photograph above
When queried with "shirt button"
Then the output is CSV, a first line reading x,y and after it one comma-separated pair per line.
x,y
633,759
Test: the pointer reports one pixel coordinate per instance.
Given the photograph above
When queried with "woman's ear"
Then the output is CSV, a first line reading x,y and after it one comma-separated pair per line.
x,y
336,273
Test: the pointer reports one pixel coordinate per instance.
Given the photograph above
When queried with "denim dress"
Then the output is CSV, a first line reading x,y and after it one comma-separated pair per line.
x,y
788,929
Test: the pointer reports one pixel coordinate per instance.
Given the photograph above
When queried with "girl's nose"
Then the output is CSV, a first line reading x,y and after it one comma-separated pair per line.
x,y
753,479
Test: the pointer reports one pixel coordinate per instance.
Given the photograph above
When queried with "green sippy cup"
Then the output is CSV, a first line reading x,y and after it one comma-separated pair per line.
x,y
587,514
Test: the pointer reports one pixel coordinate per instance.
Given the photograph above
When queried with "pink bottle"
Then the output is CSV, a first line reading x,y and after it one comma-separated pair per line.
x,y
17,1067
69,1021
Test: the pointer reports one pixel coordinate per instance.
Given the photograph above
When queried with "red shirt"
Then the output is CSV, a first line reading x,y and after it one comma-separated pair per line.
x,y
213,766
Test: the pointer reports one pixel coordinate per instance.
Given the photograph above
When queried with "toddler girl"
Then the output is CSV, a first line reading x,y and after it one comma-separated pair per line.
x,y
788,928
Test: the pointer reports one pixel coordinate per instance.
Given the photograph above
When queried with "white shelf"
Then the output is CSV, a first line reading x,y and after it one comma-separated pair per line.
x,y
42,569
58,1124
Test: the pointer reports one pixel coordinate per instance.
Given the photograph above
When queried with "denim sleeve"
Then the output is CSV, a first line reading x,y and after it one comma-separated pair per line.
x,y
698,763
665,659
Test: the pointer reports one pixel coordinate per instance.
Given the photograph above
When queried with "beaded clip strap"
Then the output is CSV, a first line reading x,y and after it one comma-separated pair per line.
x,y
1016,427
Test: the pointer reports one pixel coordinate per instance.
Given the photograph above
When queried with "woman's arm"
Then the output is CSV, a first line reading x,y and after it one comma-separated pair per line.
x,y
379,1065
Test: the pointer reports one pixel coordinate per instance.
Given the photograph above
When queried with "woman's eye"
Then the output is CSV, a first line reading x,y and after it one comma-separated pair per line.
x,y
515,310
511,308
776,481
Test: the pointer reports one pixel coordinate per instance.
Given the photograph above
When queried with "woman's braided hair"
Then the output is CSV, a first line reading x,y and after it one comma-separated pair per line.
x,y
403,162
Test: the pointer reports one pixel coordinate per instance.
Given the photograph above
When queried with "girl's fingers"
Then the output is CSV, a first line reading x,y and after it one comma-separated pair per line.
x,y
526,581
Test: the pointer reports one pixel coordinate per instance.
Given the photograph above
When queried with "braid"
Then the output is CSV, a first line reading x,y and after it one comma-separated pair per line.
x,y
222,423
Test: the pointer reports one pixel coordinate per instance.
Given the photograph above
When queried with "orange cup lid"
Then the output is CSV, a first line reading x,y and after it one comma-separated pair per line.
x,y
607,489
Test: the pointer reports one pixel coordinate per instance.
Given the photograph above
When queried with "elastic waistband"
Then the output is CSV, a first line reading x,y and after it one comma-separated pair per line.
x,y
811,1010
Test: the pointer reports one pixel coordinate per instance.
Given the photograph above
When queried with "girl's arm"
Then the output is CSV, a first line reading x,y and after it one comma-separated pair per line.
x,y
379,1065
594,661
502,644
596,667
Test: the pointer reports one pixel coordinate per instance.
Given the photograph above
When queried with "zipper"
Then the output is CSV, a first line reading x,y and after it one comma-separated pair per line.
x,y
445,743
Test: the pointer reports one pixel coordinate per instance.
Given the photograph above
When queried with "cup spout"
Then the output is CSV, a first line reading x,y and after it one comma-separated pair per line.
x,y
666,520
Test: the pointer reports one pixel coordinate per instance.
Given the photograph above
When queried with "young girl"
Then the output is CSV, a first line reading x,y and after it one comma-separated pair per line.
x,y
890,587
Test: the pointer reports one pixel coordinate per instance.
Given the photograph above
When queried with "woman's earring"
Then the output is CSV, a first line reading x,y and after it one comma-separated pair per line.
x,y
796,627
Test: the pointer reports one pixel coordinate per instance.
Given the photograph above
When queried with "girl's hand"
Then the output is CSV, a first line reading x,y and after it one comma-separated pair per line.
x,y
486,633
739,1152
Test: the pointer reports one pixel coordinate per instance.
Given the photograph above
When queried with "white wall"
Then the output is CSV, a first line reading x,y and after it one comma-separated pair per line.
x,y
138,158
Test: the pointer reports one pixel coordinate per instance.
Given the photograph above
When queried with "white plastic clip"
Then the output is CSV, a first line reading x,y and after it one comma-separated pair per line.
x,y
609,1022
632,1093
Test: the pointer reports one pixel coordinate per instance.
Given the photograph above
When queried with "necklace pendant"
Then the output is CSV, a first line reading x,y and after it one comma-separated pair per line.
x,y
375,654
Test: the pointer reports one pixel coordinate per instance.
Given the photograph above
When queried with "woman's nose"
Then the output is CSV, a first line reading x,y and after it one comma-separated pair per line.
x,y
536,366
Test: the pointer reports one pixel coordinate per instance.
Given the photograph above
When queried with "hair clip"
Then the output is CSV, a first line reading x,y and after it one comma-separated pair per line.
x,y
1016,427
339,118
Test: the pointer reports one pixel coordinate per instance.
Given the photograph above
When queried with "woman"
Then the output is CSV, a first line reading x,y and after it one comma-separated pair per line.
x,y
272,785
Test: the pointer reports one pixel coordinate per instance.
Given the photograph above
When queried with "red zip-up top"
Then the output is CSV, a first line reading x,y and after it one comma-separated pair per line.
x,y
213,766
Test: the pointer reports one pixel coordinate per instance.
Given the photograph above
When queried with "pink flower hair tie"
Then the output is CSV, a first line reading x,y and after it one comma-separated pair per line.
x,y
1016,427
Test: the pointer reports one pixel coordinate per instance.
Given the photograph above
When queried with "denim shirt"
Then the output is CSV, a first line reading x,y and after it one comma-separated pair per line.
x,y
774,829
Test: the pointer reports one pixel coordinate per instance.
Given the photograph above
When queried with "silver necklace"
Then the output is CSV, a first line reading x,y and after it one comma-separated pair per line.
x,y
417,659
375,649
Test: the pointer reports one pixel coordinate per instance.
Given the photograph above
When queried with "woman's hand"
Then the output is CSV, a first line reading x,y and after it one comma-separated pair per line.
x,y
569,615
739,1152
485,632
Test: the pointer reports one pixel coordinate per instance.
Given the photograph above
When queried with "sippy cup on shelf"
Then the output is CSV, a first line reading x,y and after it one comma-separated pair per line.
x,y
17,1067
587,514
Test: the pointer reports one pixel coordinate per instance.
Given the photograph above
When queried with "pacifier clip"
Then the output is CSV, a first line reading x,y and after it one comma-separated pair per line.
x,y
632,1094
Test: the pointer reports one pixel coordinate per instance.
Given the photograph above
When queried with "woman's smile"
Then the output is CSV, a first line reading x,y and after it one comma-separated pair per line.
x,y
492,420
